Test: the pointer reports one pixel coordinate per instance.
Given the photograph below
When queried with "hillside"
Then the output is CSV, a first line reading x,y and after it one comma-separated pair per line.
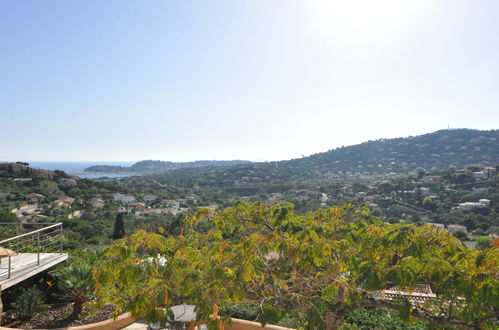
x,y
153,166
23,170
438,150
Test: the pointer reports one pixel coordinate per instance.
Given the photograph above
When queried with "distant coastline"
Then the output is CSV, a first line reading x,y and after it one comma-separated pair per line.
x,y
78,168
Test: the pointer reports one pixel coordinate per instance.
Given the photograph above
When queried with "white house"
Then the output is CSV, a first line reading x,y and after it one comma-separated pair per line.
x,y
468,206
124,199
479,175
484,202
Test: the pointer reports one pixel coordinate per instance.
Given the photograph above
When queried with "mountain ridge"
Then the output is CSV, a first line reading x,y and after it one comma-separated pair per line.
x,y
436,150
148,166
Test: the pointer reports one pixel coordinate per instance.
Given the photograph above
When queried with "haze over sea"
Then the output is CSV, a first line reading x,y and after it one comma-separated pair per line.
x,y
76,168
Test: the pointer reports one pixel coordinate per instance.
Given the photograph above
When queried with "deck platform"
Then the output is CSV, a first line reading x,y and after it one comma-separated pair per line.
x,y
24,266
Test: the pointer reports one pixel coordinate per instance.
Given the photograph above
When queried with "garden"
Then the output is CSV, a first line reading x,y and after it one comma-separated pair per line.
x,y
324,270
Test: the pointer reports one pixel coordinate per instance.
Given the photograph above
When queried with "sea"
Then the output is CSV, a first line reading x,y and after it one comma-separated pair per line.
x,y
77,168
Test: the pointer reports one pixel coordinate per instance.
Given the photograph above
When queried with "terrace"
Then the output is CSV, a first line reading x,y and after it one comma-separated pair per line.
x,y
37,250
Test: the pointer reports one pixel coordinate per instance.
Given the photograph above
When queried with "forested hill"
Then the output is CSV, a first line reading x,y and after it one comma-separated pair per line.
x,y
441,149
154,166
438,150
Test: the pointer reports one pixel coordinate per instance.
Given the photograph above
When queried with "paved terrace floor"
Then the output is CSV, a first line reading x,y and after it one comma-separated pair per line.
x,y
24,266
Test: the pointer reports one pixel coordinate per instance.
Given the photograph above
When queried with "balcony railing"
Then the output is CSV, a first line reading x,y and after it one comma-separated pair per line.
x,y
47,239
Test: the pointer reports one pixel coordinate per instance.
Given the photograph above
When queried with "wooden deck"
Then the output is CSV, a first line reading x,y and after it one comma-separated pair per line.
x,y
24,266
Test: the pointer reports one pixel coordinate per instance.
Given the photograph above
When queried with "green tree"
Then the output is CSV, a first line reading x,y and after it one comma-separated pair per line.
x,y
428,203
483,242
460,236
119,227
6,216
324,264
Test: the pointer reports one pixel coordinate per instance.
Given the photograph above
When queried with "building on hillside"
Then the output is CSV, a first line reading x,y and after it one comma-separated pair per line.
x,y
439,226
97,203
153,211
480,175
64,201
371,198
432,179
171,203
138,205
150,198
424,191
75,214
34,197
170,210
212,207
27,210
473,205
455,228
124,199
484,202
491,171
466,206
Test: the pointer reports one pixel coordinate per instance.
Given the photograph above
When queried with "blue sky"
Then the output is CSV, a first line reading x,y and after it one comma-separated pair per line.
x,y
257,79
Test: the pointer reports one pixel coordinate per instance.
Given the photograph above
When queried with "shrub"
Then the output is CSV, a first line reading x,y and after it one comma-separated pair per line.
x,y
29,302
76,284
483,242
370,318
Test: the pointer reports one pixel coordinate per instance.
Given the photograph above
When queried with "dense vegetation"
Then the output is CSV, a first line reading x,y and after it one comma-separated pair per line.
x,y
148,166
329,264
324,264
436,150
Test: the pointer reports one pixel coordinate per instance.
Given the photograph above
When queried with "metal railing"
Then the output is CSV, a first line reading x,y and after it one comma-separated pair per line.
x,y
47,239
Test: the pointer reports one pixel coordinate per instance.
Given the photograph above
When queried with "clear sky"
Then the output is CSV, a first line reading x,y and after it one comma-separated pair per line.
x,y
247,79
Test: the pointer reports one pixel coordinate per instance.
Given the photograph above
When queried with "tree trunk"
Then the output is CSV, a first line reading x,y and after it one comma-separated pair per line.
x,y
78,306
332,322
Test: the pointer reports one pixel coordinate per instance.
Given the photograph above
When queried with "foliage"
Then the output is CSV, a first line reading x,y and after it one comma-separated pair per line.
x,y
460,236
370,318
75,282
483,242
29,301
88,256
324,264
241,311
6,216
